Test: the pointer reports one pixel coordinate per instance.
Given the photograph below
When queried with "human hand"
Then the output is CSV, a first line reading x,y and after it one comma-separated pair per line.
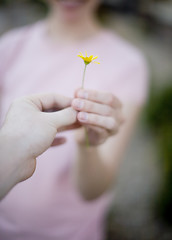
x,y
29,128
100,113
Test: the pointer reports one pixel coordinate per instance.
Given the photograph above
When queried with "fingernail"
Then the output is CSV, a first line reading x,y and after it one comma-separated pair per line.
x,y
83,116
83,94
78,104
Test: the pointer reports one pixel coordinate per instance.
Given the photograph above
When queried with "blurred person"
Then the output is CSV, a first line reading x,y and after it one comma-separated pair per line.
x,y
71,190
19,147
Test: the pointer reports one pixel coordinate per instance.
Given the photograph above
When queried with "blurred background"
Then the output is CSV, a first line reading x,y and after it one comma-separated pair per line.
x,y
142,209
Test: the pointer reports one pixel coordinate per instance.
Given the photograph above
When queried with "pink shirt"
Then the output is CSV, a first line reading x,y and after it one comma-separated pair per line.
x,y
47,206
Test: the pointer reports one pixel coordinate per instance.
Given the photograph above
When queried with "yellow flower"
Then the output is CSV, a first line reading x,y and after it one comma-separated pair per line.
x,y
88,60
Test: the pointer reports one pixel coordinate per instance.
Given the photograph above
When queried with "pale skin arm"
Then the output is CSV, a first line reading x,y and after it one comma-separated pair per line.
x,y
96,166
27,132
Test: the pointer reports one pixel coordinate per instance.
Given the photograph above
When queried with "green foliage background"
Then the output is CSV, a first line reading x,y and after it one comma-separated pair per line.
x,y
159,119
40,3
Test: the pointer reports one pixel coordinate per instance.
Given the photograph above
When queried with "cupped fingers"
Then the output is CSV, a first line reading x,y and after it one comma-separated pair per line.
x,y
105,122
92,107
99,97
119,117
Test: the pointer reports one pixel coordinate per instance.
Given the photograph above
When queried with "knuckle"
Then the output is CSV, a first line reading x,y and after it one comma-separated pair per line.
x,y
112,124
110,99
90,106
95,119
108,111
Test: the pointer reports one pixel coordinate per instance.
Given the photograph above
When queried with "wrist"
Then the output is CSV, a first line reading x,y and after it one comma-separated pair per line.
x,y
11,157
87,152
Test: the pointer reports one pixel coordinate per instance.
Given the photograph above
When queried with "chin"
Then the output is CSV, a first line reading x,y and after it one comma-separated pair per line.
x,y
71,10
71,5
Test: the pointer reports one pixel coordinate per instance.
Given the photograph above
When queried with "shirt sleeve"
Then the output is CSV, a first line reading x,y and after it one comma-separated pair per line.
x,y
132,84
123,71
8,49
10,43
7,42
135,82
5,51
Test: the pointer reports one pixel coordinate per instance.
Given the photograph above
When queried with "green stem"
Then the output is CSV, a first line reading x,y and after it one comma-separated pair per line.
x,y
83,79
86,132
86,138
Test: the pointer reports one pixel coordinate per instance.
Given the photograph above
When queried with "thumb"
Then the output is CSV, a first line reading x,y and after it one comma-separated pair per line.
x,y
63,118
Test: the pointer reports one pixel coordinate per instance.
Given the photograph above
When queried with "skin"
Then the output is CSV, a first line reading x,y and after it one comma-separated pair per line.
x,y
70,25
95,167
101,113
27,132
71,11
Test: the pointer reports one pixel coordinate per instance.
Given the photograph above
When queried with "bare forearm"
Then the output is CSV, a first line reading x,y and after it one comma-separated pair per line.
x,y
92,175
8,170
96,167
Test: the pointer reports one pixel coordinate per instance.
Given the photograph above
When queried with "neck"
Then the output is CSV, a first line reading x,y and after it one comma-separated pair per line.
x,y
72,32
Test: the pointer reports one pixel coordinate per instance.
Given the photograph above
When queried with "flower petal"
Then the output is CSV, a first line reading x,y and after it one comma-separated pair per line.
x,y
95,58
87,59
80,54
90,57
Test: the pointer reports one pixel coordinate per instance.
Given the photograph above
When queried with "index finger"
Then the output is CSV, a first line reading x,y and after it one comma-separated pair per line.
x,y
45,102
99,97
